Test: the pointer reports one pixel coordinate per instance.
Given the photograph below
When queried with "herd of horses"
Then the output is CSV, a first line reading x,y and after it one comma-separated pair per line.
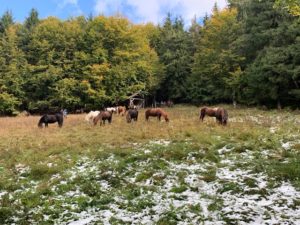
x,y
94,117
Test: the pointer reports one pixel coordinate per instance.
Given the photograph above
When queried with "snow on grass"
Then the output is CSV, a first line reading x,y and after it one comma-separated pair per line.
x,y
251,205
82,221
179,189
160,142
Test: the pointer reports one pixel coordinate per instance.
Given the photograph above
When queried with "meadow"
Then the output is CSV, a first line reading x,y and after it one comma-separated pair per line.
x,y
181,172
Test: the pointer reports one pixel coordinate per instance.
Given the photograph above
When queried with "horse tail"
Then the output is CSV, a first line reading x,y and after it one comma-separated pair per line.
x,y
60,119
202,113
225,117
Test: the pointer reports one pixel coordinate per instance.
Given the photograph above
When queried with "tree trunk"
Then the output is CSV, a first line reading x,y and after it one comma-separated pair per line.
x,y
279,104
234,100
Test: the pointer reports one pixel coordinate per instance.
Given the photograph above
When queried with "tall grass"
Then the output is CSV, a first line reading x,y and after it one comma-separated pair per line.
x,y
22,142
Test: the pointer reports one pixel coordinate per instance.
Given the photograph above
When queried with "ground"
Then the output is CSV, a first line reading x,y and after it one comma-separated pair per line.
x,y
181,172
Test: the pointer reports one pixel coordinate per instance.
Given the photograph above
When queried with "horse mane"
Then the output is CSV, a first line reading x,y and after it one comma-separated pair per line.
x,y
41,121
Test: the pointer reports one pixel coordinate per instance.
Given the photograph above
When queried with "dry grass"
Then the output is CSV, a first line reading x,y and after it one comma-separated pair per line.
x,y
40,168
22,141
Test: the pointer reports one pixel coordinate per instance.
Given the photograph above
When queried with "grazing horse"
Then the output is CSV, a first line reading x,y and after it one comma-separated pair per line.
x,y
121,110
132,114
50,118
102,116
156,112
220,114
91,115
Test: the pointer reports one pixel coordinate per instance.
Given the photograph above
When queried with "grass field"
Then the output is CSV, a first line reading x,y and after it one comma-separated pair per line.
x,y
181,172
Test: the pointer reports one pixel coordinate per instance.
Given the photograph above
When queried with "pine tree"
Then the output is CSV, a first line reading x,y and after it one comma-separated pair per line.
x,y
5,21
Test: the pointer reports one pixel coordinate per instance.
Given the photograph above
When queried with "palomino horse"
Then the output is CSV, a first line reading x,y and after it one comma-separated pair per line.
x,y
102,116
121,110
91,115
156,112
220,114
132,114
50,118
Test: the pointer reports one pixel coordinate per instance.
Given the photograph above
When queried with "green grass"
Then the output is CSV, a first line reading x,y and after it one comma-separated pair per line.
x,y
46,171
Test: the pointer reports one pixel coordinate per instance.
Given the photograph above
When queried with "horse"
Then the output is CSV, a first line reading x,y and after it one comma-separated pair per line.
x,y
156,112
91,115
121,110
220,114
169,103
79,111
102,116
132,114
112,109
64,112
50,118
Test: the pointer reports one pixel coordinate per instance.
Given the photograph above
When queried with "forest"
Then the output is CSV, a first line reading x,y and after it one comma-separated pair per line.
x,y
247,53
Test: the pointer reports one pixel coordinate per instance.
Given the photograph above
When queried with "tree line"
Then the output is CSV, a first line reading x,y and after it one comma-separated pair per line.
x,y
247,53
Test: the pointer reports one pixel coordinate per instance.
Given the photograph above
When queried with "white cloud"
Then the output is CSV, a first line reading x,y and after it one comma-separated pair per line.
x,y
155,10
72,5
64,3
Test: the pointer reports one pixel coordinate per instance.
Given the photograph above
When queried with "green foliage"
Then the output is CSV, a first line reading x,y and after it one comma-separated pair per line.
x,y
248,53
6,20
268,43
8,104
293,6
174,48
215,73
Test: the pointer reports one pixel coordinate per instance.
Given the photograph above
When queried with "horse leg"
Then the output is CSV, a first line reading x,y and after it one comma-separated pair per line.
x,y
95,121
46,124
202,115
158,117
224,121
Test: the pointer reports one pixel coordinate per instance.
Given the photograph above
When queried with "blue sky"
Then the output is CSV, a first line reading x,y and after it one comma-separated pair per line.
x,y
138,11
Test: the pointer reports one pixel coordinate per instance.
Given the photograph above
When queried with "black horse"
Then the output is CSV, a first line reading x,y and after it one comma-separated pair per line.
x,y
50,118
132,114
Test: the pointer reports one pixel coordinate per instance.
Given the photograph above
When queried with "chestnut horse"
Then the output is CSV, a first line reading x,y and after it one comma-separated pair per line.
x,y
121,110
102,116
220,114
156,112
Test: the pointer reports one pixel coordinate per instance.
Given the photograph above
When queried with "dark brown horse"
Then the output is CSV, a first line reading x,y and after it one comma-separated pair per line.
x,y
50,118
132,114
102,116
220,114
156,112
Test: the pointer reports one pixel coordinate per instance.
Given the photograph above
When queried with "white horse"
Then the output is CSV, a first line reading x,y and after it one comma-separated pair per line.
x,y
111,109
91,115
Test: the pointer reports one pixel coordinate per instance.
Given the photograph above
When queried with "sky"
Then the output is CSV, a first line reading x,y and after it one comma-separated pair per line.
x,y
138,11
